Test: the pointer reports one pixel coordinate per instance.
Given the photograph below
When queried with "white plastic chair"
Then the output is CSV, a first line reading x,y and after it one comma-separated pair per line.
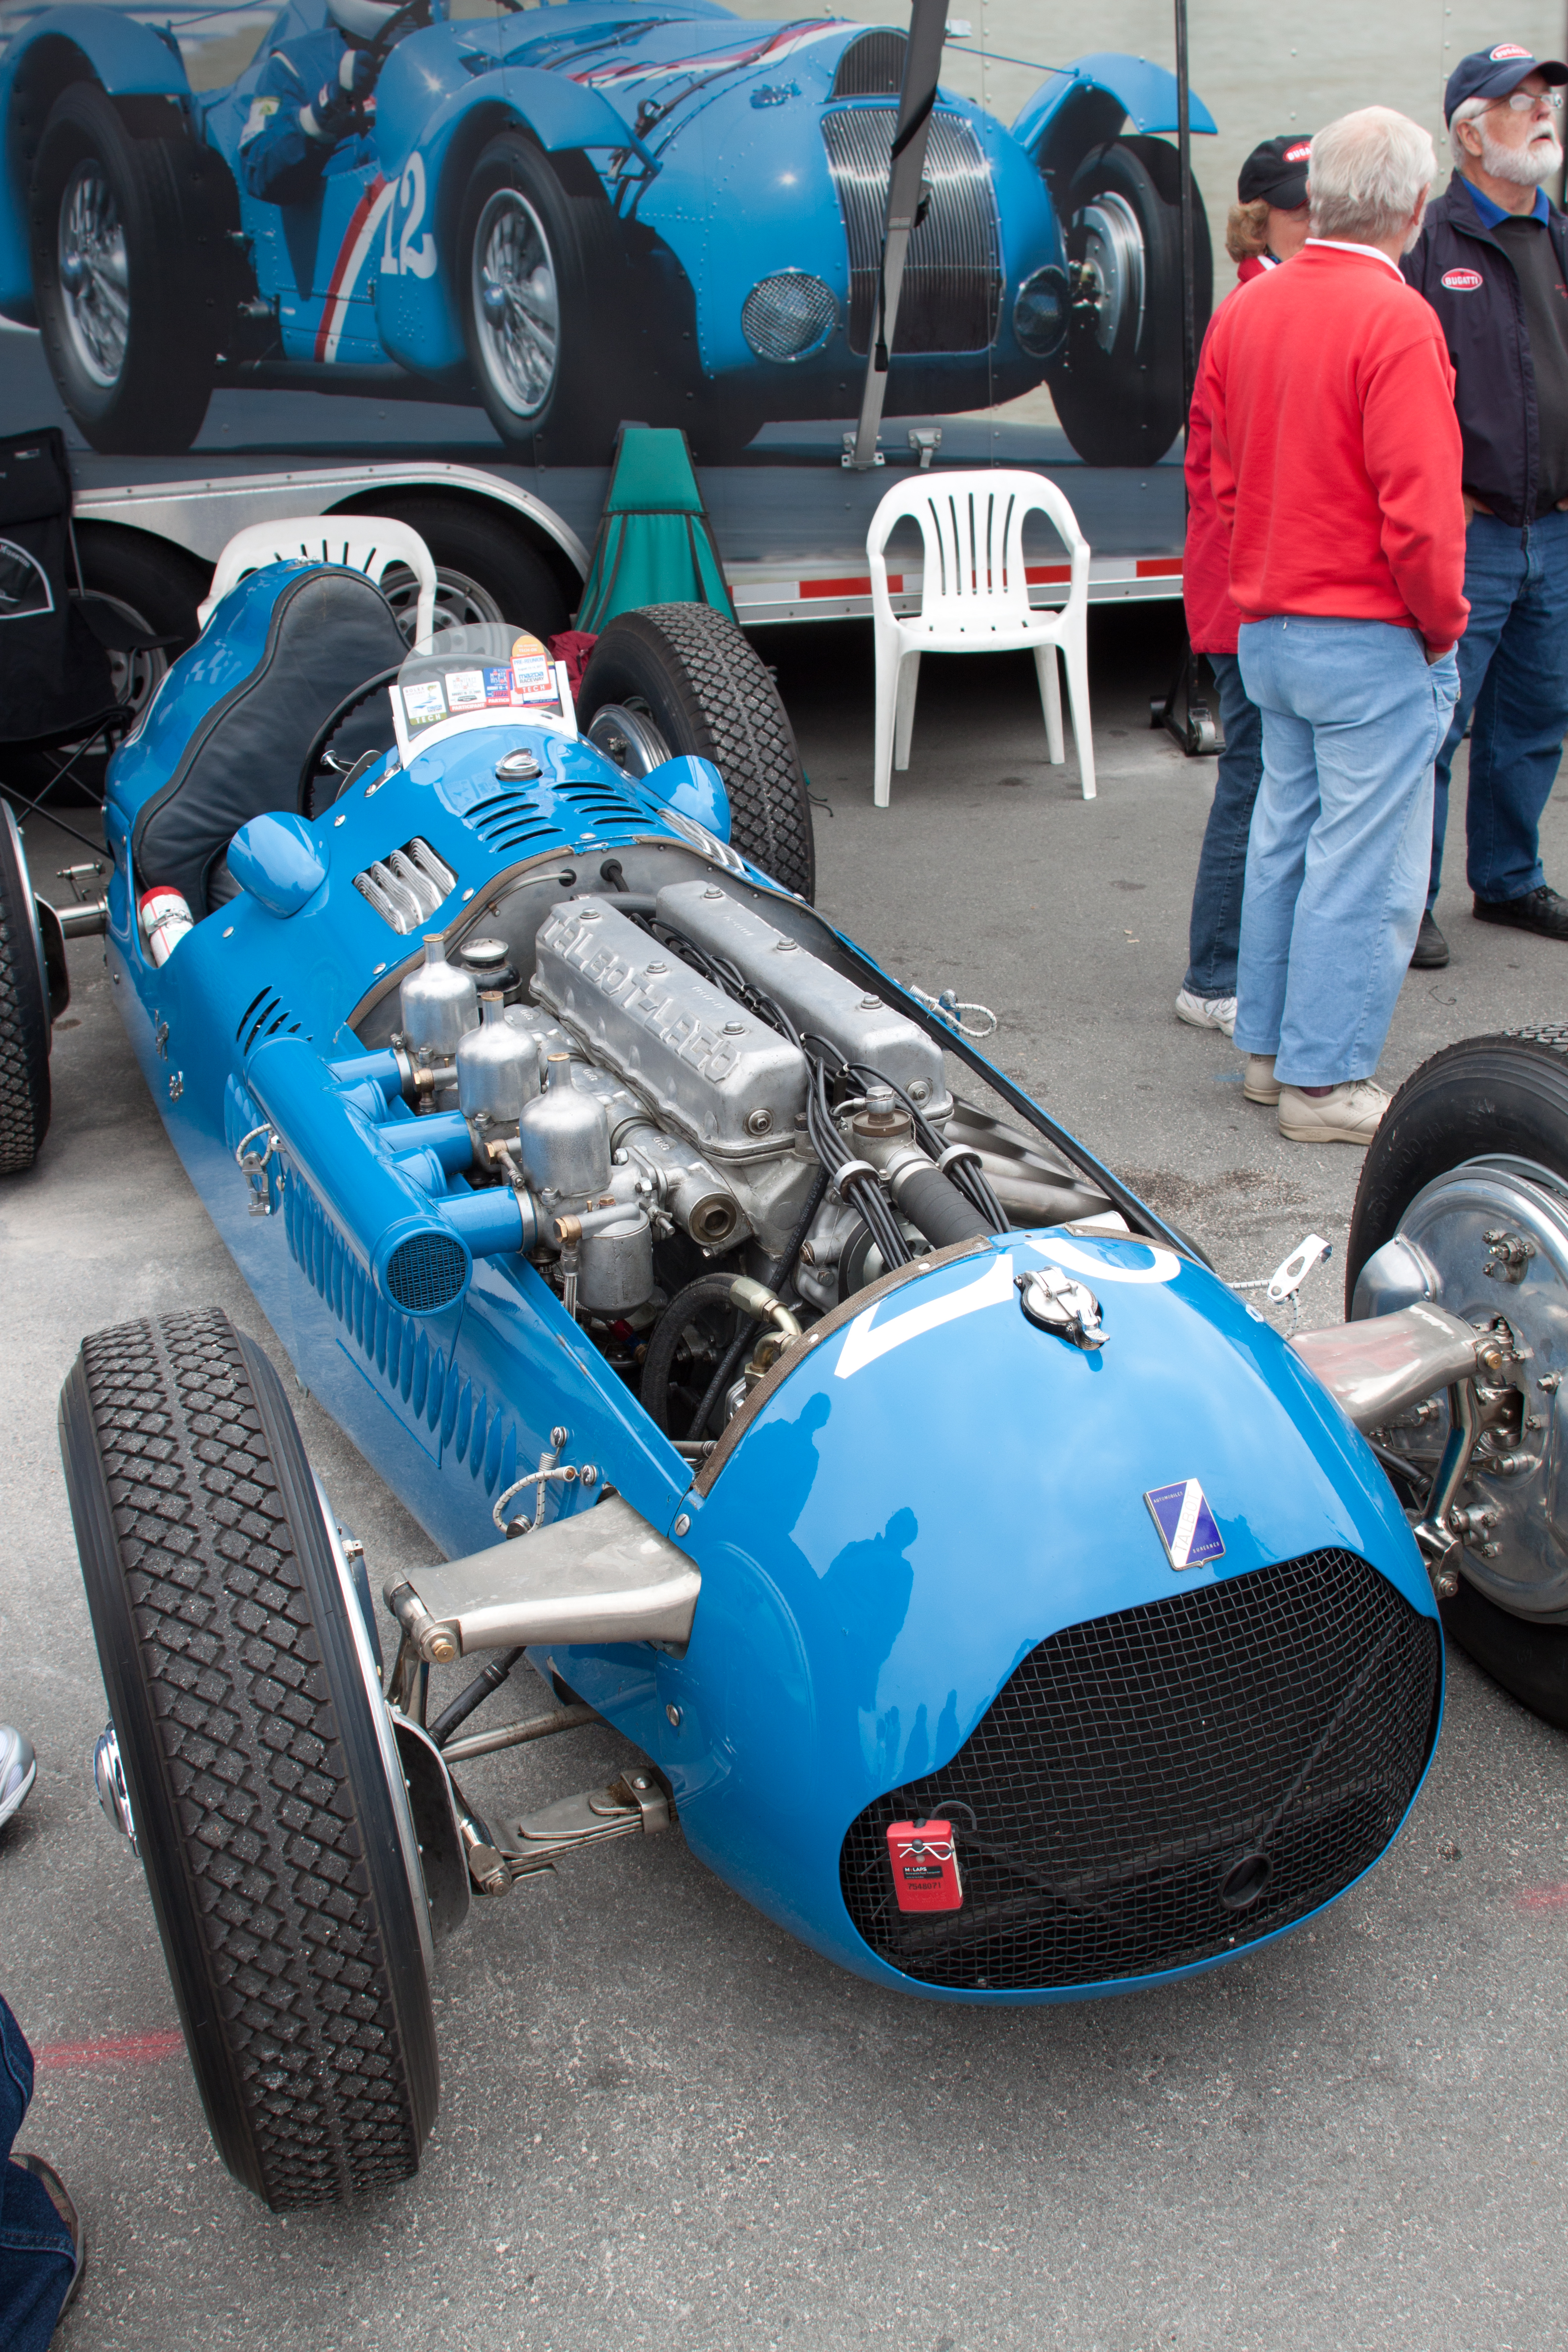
x,y
975,599
367,543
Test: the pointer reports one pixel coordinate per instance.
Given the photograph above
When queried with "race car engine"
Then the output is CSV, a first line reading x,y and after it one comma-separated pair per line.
x,y
709,1124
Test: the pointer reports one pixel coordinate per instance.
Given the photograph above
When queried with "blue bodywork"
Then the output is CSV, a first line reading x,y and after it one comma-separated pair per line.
x,y
707,135
935,1488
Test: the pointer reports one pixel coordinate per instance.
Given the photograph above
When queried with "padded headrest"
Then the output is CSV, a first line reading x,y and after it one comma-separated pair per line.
x,y
329,631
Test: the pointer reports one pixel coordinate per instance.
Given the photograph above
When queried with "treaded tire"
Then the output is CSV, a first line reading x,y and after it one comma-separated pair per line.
x,y
710,694
171,204
263,1812
24,1013
1124,407
575,422
1500,1095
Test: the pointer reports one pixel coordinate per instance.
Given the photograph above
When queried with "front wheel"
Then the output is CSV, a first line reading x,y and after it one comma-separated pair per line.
x,y
261,1770
1118,385
533,261
691,681
1470,1169
123,275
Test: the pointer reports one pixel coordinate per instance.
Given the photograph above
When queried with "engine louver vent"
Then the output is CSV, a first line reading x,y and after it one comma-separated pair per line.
x,y
266,1016
511,821
407,886
600,804
1163,1786
952,279
872,67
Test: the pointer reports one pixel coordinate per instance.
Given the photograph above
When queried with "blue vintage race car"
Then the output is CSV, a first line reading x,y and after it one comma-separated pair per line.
x,y
993,1595
575,214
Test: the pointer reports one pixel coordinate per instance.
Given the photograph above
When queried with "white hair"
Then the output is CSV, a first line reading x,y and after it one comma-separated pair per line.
x,y
1470,110
1367,174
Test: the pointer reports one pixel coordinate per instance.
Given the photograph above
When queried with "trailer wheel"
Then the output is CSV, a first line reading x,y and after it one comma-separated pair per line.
x,y
120,276
533,267
1500,1099
697,677
485,573
1117,386
258,1761
24,1010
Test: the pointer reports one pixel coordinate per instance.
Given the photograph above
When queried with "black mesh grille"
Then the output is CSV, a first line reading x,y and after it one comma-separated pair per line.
x,y
427,1273
873,65
1133,1766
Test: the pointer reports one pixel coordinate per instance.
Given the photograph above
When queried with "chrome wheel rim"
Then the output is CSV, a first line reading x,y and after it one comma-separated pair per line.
x,y
1112,262
517,303
94,274
461,602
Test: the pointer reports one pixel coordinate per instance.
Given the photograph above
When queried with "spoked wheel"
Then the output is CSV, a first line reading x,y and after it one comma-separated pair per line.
x,y
1117,386
1468,1171
484,574
259,1768
533,262
691,682
123,235
24,1009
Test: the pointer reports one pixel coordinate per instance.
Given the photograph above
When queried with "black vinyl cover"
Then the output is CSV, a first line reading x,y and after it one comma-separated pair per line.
x,y
330,630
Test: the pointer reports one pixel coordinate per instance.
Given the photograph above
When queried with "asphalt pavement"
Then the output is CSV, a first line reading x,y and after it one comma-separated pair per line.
x,y
663,2123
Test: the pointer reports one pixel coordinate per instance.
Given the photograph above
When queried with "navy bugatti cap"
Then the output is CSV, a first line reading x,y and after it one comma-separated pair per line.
x,y
1276,173
1493,73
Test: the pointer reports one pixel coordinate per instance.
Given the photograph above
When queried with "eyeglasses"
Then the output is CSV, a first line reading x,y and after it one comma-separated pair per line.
x,y
1525,101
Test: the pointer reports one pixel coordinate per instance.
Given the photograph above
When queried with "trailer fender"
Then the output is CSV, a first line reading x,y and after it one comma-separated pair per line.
x,y
1084,104
136,64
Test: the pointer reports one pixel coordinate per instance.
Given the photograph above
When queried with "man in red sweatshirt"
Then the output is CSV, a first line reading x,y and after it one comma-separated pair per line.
x,y
1335,464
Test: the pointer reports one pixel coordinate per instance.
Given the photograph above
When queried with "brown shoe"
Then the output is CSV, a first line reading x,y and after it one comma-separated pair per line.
x,y
60,2198
1259,1083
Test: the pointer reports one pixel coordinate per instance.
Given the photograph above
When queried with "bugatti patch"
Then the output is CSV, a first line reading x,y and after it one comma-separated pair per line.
x,y
1185,1522
1463,281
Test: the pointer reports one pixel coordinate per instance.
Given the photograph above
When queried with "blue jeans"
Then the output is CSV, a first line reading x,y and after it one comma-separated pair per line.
x,y
1216,927
1353,716
35,2257
1513,673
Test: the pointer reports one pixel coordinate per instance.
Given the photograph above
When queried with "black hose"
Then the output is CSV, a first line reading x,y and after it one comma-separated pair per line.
x,y
490,1678
659,1361
937,1208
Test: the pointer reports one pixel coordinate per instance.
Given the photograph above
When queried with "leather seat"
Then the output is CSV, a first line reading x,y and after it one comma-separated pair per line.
x,y
329,629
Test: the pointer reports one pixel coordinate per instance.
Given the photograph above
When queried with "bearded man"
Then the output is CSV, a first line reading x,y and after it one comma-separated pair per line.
x,y
1492,261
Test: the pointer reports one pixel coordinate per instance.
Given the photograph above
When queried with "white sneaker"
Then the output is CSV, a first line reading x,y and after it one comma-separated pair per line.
x,y
18,1770
1259,1082
1206,1011
1349,1115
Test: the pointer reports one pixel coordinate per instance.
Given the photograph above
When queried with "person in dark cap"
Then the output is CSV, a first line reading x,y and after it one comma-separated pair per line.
x,y
1267,222
1492,261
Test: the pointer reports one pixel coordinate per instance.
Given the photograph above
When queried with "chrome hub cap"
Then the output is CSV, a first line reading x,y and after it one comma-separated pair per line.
x,y
1111,273
94,277
112,1794
1492,1239
517,303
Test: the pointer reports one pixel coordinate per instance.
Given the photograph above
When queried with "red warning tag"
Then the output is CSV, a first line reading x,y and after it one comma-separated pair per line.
x,y
924,1861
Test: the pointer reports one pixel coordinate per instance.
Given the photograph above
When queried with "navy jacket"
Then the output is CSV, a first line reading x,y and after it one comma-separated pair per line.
x,y
1469,279
282,157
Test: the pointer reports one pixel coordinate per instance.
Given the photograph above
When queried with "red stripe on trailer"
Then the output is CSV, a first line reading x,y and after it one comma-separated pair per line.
x,y
1159,567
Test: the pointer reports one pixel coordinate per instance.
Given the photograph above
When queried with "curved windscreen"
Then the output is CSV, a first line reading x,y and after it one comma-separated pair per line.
x,y
478,677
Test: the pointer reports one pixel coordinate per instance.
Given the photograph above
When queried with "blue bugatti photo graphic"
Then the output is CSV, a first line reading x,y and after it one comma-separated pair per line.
x,y
993,1596
574,213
